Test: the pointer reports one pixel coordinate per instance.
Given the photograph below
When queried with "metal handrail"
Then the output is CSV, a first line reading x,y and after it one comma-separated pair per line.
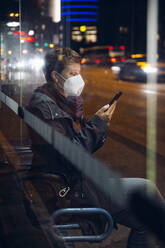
x,y
82,211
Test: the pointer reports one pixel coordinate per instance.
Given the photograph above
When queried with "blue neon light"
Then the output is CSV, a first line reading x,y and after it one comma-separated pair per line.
x,y
79,6
79,13
81,19
64,1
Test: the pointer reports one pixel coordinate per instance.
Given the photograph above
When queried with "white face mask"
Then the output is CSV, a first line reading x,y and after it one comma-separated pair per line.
x,y
73,86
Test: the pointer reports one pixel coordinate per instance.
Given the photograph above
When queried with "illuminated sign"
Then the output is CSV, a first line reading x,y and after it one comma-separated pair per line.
x,y
81,10
81,19
83,28
65,1
79,13
80,7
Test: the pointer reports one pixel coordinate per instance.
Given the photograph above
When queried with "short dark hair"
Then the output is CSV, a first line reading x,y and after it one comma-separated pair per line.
x,y
57,59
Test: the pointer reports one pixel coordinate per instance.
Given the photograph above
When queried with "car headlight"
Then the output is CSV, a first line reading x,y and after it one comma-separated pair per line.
x,y
20,64
150,69
36,63
115,69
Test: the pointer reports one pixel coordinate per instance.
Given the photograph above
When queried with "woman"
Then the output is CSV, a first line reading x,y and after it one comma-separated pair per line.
x,y
59,103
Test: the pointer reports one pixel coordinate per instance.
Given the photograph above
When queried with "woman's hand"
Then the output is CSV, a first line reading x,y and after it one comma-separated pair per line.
x,y
106,112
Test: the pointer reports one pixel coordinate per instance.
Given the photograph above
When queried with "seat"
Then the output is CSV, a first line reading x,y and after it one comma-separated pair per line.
x,y
44,189
46,200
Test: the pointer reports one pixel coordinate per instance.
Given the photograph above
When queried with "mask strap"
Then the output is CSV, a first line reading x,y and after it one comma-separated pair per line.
x,y
60,86
60,75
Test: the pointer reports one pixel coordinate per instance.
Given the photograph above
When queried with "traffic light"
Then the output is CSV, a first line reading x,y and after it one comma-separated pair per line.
x,y
51,45
45,44
36,44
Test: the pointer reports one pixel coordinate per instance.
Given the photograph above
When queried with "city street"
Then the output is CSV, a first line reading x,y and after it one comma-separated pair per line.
x,y
125,148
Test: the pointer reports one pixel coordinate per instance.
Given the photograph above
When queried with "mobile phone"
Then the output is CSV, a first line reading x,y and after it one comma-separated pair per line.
x,y
115,98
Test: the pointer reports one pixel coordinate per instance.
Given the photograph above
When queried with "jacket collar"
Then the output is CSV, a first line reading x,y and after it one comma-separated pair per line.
x,y
38,98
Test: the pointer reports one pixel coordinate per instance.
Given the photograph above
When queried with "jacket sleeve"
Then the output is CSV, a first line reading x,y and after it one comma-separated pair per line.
x,y
93,135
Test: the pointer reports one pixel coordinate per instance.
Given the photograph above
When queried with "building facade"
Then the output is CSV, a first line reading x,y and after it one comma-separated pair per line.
x,y
79,19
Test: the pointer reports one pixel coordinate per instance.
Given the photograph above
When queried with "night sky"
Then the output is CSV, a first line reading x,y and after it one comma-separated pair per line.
x,y
127,13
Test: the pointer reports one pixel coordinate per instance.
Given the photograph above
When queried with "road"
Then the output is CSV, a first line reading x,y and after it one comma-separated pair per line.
x,y
125,148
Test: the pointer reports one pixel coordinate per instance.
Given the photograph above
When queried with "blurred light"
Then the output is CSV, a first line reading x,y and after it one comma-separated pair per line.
x,y
12,24
113,60
30,39
20,64
31,32
111,47
36,63
134,56
16,14
122,47
43,26
2,50
11,14
37,44
2,77
115,69
150,92
83,61
97,61
40,50
19,32
150,69
83,28
16,33
45,44
9,52
51,45
25,51
142,64
22,38
22,33
122,59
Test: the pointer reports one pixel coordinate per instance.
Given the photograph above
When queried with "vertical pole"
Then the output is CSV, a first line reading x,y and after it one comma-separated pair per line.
x,y
55,10
132,25
152,49
55,14
20,77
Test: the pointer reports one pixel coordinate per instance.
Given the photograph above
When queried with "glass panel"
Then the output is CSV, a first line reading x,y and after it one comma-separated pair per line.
x,y
115,55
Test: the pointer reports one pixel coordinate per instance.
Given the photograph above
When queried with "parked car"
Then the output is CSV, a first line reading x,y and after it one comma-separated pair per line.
x,y
138,68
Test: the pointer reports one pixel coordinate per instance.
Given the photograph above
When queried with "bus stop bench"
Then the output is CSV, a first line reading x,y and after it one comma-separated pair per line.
x,y
44,180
